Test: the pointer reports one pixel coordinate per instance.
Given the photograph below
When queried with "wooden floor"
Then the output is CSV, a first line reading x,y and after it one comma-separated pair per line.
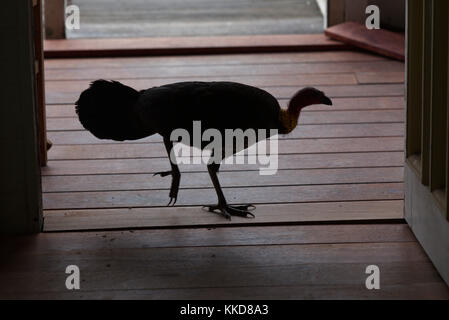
x,y
168,18
343,163
340,172
269,262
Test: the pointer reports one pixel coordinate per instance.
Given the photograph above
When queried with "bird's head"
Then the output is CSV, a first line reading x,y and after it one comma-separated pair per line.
x,y
303,98
310,96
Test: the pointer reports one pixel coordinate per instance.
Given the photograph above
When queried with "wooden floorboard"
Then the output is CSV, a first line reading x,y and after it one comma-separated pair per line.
x,y
235,195
117,182
252,74
294,161
214,237
156,75
63,48
163,217
380,77
211,60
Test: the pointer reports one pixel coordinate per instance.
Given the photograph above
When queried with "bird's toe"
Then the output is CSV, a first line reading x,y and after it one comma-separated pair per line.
x,y
246,207
163,173
221,210
235,211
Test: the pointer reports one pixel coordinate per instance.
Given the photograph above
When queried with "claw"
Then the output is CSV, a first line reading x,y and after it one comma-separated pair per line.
x,y
174,199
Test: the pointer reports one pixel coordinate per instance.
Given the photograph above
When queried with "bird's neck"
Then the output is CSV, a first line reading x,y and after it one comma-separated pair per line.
x,y
288,120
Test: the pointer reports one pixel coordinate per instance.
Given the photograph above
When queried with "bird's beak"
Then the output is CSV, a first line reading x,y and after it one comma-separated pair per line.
x,y
326,101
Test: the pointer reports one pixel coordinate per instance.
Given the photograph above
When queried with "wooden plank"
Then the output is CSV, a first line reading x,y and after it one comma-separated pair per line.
x,y
85,219
207,60
339,104
369,116
380,77
258,81
303,132
203,196
80,183
150,74
296,146
322,117
187,45
381,41
211,237
68,93
297,161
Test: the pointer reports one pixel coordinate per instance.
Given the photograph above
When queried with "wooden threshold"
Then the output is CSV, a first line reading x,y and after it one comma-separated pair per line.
x,y
188,45
193,216
384,42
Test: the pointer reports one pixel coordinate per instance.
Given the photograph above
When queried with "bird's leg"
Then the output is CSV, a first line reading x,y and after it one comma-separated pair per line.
x,y
222,207
176,175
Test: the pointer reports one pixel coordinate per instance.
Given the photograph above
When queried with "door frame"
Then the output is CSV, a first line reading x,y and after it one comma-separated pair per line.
x,y
21,205
426,172
44,144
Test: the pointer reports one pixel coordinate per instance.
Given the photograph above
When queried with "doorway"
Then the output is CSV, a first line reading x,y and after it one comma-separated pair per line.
x,y
176,18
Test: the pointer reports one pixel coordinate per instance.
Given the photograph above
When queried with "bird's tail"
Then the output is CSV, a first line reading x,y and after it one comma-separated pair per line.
x,y
106,109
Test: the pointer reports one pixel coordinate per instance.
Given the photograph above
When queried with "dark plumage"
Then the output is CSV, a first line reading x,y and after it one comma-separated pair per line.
x,y
111,110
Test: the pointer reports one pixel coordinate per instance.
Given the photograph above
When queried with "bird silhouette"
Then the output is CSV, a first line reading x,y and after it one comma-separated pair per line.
x,y
111,110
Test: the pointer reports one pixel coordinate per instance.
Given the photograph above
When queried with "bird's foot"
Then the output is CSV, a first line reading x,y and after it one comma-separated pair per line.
x,y
174,189
228,211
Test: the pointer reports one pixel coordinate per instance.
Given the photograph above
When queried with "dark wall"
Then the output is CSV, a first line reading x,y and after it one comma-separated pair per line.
x,y
392,13
20,205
